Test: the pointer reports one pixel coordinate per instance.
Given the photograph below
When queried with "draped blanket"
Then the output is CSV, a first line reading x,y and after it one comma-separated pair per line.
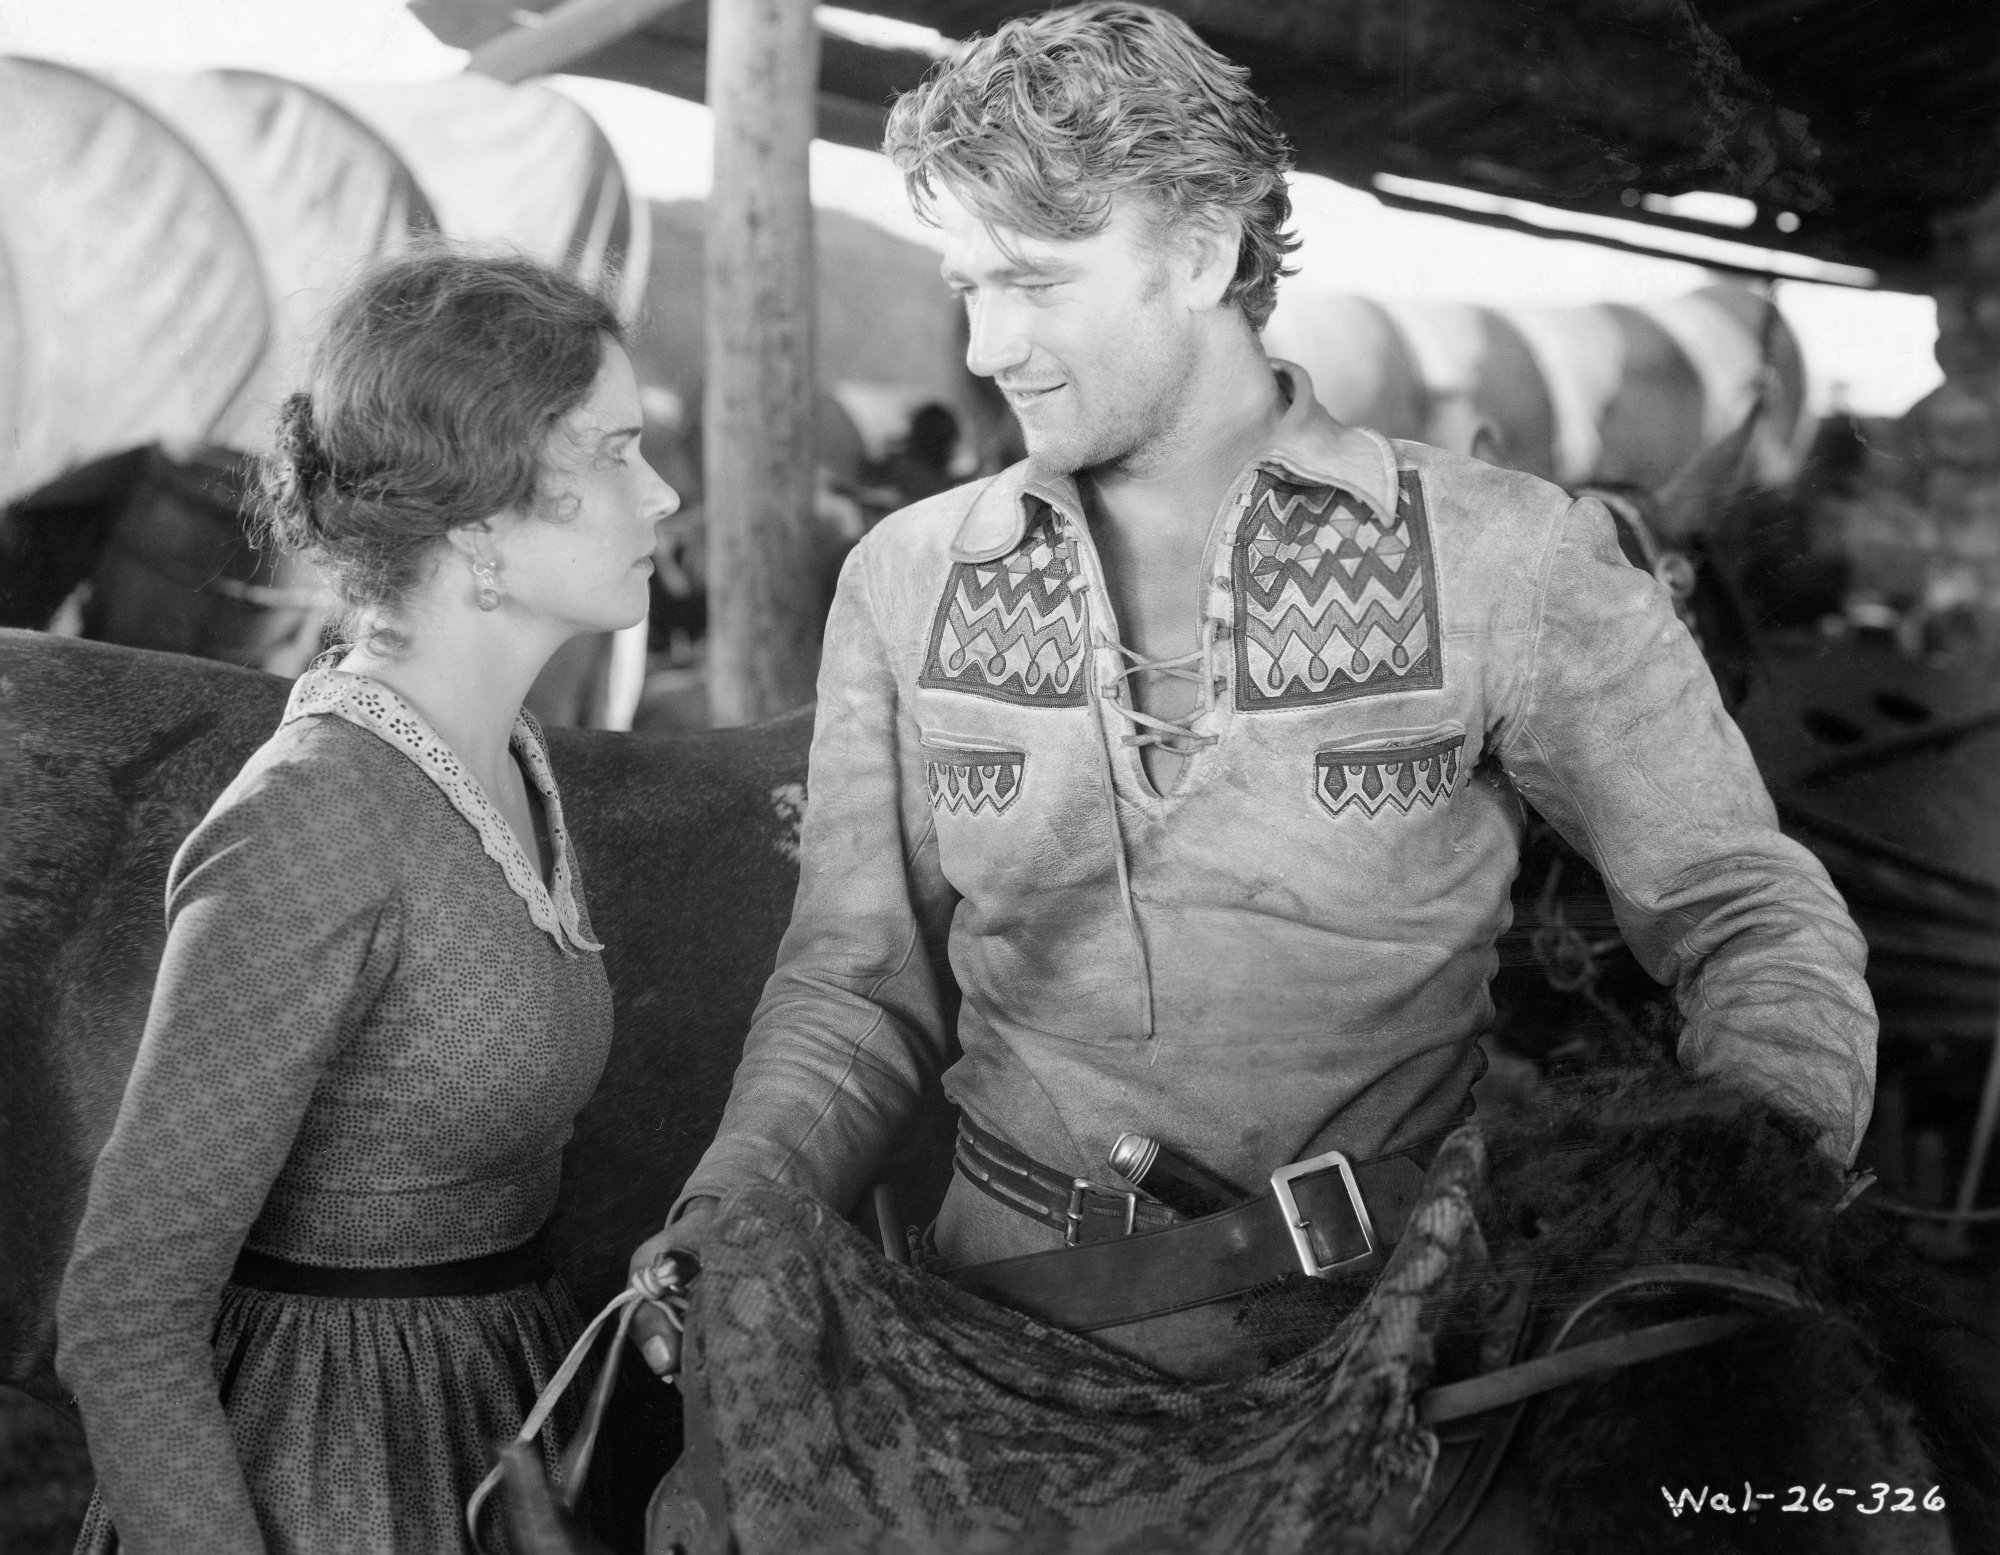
x,y
841,1403
860,1406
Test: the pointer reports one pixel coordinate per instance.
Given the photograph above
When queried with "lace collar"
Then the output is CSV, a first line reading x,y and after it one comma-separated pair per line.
x,y
379,710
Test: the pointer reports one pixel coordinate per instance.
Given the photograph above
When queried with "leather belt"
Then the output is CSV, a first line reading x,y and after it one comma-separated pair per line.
x,y
1075,1206
1129,1258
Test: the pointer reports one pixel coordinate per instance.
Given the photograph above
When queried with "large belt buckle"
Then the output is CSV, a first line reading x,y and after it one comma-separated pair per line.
x,y
1298,1226
1073,1215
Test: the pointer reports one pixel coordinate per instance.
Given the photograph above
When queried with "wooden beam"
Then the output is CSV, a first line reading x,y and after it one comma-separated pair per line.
x,y
564,35
757,431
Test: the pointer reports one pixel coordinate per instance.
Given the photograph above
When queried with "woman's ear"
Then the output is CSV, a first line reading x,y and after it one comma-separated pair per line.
x,y
473,541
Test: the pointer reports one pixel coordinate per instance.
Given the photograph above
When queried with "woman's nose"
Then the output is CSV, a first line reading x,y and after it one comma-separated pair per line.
x,y
662,501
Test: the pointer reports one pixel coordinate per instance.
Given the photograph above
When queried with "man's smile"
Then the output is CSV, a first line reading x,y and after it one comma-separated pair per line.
x,y
1021,395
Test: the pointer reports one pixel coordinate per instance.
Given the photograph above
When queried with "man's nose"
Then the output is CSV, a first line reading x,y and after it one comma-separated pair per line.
x,y
997,337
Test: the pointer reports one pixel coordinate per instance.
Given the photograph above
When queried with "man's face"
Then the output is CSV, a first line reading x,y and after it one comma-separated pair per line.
x,y
1090,338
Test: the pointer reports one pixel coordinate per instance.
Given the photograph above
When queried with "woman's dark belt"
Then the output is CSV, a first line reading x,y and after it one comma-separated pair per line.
x,y
486,1275
1128,1258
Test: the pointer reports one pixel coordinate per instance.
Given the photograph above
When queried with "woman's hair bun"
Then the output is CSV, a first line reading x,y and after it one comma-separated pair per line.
x,y
296,442
294,475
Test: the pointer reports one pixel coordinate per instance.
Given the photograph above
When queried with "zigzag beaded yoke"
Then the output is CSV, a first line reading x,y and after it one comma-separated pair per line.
x,y
1331,604
1015,629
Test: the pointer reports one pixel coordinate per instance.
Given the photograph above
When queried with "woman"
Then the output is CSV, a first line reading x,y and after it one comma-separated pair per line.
x,y
307,1295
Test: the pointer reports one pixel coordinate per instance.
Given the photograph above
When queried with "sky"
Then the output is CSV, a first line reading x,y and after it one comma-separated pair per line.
x,y
1870,351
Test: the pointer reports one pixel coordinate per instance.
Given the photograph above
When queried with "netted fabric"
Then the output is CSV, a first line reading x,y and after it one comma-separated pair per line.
x,y
862,1406
363,1425
845,1405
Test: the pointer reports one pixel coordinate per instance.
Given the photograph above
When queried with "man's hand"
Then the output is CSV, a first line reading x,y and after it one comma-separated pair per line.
x,y
658,1340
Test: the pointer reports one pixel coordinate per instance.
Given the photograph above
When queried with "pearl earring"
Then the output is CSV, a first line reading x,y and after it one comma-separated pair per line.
x,y
488,595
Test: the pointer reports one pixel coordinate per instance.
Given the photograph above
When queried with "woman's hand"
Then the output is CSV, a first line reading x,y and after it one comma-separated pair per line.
x,y
658,1340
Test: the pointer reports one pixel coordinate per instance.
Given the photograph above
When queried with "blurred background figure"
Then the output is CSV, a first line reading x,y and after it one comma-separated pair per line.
x,y
921,465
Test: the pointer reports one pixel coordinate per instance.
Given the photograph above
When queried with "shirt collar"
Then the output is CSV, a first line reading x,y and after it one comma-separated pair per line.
x,y
1307,445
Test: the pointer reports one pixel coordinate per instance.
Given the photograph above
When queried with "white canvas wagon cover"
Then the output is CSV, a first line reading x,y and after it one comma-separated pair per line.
x,y
167,240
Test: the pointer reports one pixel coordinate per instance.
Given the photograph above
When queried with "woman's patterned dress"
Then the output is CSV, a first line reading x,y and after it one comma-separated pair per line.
x,y
372,1028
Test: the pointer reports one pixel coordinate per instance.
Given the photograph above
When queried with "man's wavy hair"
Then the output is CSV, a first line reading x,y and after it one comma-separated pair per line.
x,y
1041,126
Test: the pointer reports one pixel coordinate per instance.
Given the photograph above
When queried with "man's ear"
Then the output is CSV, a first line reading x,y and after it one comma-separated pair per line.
x,y
1212,242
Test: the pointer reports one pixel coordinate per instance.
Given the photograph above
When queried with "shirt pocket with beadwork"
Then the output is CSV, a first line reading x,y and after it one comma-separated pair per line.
x,y
1019,817
973,781
1390,780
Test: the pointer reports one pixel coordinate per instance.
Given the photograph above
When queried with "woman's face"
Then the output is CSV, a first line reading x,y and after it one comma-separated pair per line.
x,y
583,562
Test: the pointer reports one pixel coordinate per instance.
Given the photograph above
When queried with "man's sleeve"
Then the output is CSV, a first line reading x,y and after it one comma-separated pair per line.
x,y
851,1029
1617,735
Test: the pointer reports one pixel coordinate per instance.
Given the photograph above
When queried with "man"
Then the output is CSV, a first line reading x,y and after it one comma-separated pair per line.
x,y
1197,744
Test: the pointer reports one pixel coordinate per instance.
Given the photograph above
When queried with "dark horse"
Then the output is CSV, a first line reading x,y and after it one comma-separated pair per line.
x,y
688,844
108,758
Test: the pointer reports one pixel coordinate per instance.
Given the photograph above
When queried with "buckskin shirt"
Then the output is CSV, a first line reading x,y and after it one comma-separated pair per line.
x,y
1290,951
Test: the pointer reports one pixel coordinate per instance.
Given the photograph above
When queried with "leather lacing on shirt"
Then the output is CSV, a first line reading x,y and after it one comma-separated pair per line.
x,y
1175,735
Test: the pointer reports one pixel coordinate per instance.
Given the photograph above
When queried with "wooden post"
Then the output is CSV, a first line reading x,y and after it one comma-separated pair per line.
x,y
757,433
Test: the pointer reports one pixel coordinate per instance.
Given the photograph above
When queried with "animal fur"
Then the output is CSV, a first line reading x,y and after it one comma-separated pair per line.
x,y
1643,1164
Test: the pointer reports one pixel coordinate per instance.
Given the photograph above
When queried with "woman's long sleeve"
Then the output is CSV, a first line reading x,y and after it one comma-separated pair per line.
x,y
282,917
